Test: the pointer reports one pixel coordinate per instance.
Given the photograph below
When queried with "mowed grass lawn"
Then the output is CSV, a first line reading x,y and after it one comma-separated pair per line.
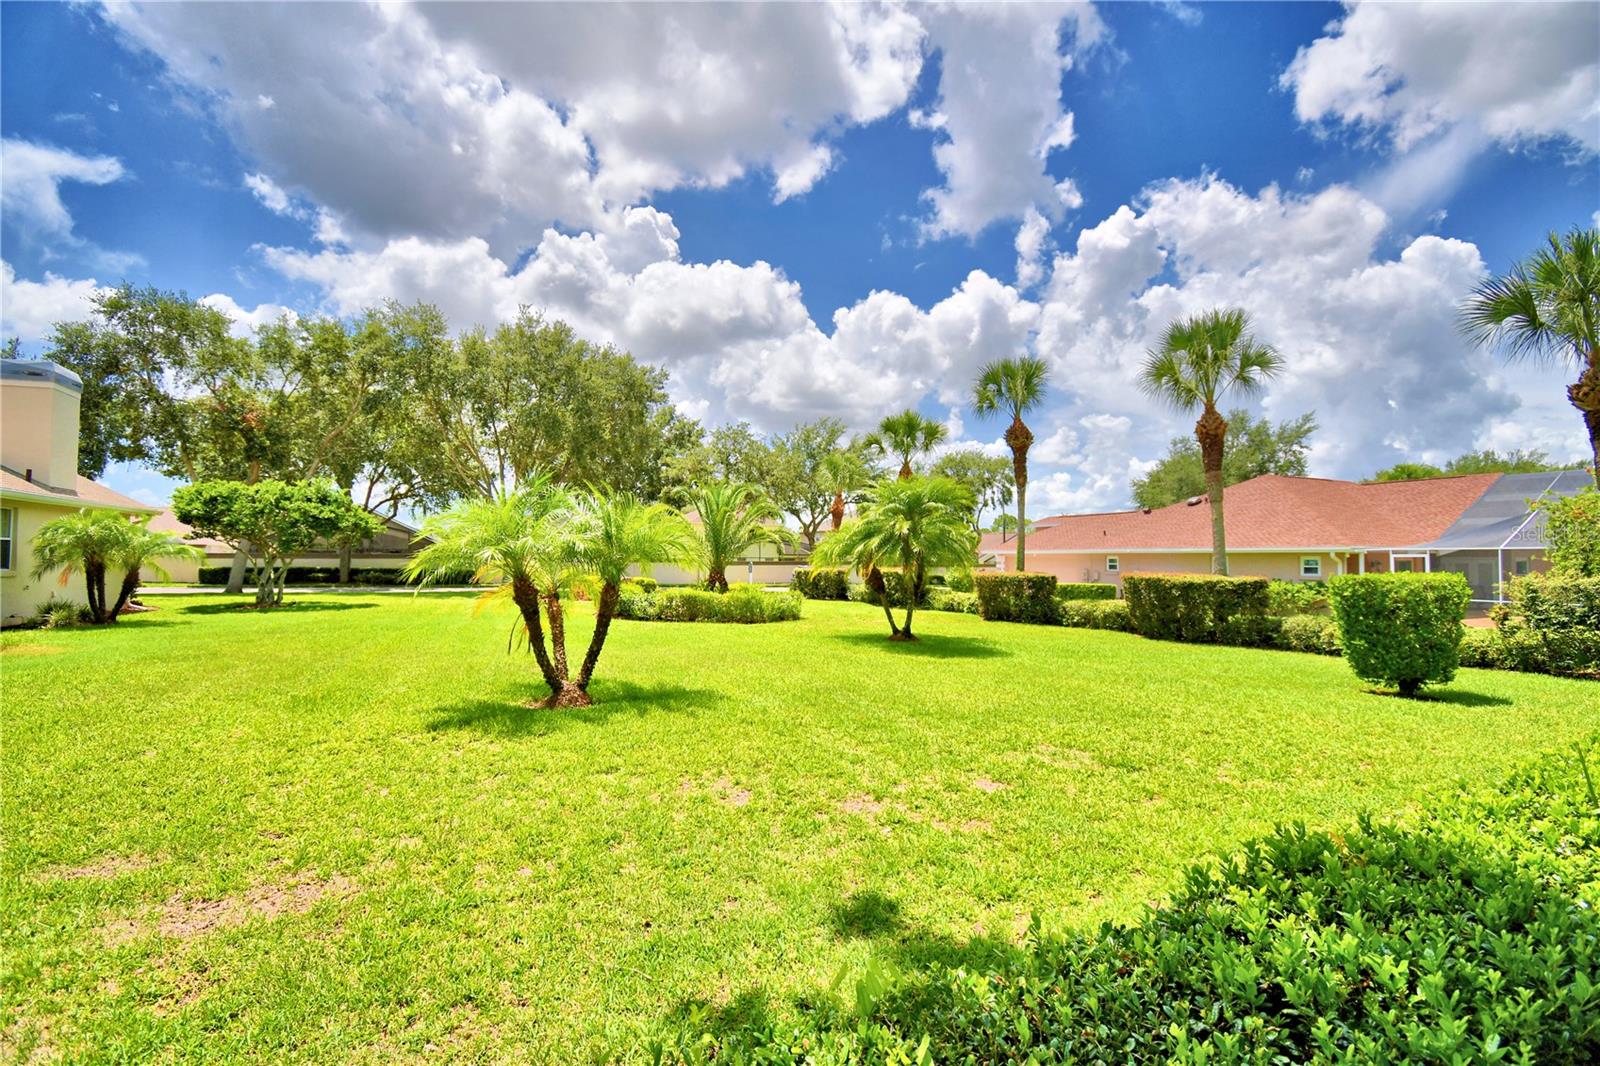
x,y
334,832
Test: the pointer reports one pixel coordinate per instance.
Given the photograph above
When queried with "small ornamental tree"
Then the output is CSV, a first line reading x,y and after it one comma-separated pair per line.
x,y
1401,629
100,543
1573,532
272,522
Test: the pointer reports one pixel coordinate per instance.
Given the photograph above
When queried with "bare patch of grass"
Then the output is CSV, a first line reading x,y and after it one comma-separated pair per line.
x,y
181,918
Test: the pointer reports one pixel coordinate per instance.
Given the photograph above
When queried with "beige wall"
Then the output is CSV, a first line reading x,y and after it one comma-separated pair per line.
x,y
1086,567
39,430
766,573
20,592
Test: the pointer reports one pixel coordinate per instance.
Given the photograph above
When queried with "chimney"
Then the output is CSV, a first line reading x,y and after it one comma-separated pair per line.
x,y
39,421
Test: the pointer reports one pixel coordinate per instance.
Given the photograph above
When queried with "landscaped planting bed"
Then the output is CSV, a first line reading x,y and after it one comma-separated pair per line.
x,y
336,832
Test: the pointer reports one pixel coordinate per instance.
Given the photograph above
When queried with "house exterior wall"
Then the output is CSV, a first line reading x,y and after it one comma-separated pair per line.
x,y
769,572
1082,566
40,420
20,592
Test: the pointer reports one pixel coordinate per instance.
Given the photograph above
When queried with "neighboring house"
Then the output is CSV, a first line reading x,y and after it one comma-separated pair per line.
x,y
1309,529
390,549
39,479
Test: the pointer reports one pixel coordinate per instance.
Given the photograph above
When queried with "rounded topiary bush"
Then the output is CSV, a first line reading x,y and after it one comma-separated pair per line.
x,y
1401,629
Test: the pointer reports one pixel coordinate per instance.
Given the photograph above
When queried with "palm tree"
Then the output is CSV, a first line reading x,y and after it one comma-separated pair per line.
x,y
917,524
142,548
844,474
1199,360
905,436
734,517
85,540
1015,385
520,543
1548,307
615,531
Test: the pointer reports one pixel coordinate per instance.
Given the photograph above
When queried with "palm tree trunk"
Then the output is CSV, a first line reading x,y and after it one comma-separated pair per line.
x,y
130,585
1211,431
1019,438
1585,396
605,609
880,588
526,597
558,633
836,512
717,579
94,589
906,473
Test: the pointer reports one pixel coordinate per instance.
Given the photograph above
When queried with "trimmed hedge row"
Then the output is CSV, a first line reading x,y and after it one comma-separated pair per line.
x,y
1195,608
1467,932
1017,596
821,582
1095,614
325,575
947,599
742,604
1085,590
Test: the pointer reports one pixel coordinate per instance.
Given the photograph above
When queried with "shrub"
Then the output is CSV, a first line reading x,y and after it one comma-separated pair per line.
x,y
1297,597
821,582
1401,629
60,614
1466,933
1482,647
1573,530
1085,590
1251,631
1016,597
326,575
1551,625
1314,633
960,581
742,604
1096,614
643,584
944,599
1191,607
894,582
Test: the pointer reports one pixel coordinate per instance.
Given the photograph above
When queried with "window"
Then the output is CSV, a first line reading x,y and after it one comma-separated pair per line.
x,y
8,536
1522,568
1111,564
1310,566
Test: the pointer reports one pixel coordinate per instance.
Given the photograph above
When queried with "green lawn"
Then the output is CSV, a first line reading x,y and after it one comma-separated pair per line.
x,y
333,832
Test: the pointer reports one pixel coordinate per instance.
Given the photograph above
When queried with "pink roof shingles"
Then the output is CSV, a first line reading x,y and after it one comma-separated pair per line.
x,y
1271,512
84,493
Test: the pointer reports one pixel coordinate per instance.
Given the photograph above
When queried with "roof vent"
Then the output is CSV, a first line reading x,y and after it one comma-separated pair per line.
x,y
1194,501
1146,510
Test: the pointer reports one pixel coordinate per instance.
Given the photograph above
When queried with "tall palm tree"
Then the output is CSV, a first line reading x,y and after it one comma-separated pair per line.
x,y
613,532
1548,307
843,473
141,548
1017,386
519,542
83,541
734,517
917,524
905,436
1201,359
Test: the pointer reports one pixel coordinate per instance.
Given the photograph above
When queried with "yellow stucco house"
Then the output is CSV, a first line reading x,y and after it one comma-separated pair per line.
x,y
39,479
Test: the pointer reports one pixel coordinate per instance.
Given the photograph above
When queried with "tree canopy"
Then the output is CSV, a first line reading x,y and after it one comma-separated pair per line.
x,y
1253,447
1488,461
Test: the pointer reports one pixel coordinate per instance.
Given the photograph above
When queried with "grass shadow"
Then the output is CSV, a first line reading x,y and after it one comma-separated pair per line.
x,y
1457,697
511,715
866,916
290,607
927,646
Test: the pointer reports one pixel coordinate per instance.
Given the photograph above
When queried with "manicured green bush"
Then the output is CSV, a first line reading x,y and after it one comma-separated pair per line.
x,y
821,582
1467,932
960,581
1483,648
1314,633
1191,607
1096,614
1085,590
1552,625
325,575
744,604
1401,629
944,599
644,584
1016,597
1296,597
1251,631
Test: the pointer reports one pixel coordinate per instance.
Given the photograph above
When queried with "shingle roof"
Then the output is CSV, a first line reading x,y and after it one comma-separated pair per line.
x,y
1271,512
84,493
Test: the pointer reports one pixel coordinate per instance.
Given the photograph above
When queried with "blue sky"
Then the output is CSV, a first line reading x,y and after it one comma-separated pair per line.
x,y
805,210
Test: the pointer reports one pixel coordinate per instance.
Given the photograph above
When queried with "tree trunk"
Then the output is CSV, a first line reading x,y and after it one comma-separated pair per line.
x,y
236,572
94,590
880,588
1409,689
717,579
344,564
836,512
130,585
906,473
1019,439
1585,396
558,633
526,597
1211,431
605,608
